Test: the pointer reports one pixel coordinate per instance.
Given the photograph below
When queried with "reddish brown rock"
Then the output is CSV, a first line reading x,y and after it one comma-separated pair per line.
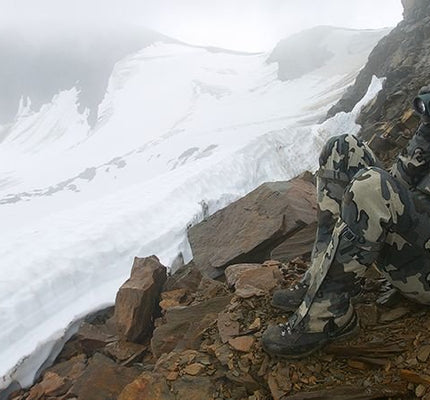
x,y
244,380
54,385
193,388
187,277
227,326
194,369
296,246
148,386
275,390
124,351
184,325
36,393
137,299
210,288
233,272
253,280
250,228
102,379
242,343
72,369
172,298
92,337
222,353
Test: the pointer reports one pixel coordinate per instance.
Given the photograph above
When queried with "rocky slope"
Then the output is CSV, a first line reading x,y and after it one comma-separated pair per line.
x,y
187,336
402,57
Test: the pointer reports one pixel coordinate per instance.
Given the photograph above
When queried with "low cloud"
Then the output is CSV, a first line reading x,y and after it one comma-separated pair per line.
x,y
251,25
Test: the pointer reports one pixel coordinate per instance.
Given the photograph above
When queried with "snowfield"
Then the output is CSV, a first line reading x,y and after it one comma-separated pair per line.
x,y
178,126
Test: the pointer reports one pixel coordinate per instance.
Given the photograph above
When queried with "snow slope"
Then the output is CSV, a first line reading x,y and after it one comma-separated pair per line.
x,y
178,126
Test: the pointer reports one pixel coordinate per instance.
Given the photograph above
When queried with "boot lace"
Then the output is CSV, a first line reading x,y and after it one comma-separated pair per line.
x,y
288,329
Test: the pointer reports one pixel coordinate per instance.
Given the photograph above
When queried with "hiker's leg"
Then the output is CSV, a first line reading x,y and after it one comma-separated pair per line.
x,y
374,207
340,159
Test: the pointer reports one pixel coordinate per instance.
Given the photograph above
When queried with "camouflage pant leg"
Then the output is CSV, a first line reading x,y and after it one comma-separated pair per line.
x,y
340,159
379,208
381,220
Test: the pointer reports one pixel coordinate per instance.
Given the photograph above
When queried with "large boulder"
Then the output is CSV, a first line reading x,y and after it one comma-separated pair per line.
x,y
137,299
249,229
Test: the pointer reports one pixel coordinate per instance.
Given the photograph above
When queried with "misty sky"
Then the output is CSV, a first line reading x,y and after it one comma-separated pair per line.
x,y
250,25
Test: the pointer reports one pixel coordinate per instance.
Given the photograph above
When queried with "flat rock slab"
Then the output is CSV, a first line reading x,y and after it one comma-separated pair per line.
x,y
92,337
193,388
242,343
253,279
102,379
250,228
184,325
227,326
298,245
148,386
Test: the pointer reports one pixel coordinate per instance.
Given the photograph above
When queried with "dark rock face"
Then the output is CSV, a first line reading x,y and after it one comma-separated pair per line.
x,y
249,229
402,57
137,299
414,9
301,53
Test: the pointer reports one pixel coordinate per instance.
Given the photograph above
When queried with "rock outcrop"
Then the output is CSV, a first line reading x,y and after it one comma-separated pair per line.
x,y
250,228
137,299
402,57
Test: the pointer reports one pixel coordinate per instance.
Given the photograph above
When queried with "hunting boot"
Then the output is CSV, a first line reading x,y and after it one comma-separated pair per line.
x,y
326,313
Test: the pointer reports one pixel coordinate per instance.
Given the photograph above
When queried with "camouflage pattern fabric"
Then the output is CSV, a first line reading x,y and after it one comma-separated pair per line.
x,y
340,159
367,215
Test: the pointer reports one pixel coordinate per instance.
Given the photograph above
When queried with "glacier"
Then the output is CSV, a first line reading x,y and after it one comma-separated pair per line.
x,y
180,128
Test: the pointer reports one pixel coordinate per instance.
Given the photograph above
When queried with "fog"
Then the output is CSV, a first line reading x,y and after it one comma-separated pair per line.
x,y
51,45
249,25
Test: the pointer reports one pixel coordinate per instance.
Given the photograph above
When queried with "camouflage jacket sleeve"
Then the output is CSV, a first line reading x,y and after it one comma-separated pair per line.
x,y
413,163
